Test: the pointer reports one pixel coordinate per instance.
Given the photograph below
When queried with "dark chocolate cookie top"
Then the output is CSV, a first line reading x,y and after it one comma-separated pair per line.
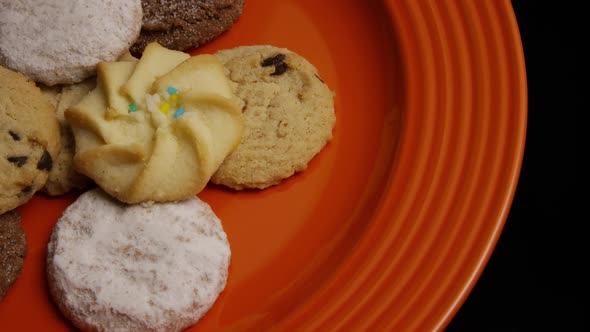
x,y
185,24
13,248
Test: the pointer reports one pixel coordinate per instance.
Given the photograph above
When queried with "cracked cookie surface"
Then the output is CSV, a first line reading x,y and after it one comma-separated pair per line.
x,y
29,139
139,267
288,112
13,249
62,177
185,24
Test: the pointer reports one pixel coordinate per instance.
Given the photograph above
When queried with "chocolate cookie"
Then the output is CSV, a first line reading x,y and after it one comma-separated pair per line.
x,y
29,139
13,248
185,24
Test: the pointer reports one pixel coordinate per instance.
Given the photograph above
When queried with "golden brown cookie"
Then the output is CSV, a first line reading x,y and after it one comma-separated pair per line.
x,y
288,112
63,178
29,139
13,249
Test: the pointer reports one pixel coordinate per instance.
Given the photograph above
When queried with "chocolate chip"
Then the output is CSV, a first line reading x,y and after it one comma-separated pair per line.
x,y
46,162
14,135
273,60
19,161
280,69
319,78
26,191
278,61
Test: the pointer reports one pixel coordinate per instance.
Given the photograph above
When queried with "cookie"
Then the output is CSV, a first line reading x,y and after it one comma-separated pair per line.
x,y
185,24
62,177
29,139
13,249
142,267
288,112
156,129
61,42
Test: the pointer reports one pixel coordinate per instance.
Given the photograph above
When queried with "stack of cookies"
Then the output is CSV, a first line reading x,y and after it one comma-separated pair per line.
x,y
103,95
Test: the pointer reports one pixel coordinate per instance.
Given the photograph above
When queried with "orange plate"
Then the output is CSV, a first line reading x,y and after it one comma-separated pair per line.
x,y
393,222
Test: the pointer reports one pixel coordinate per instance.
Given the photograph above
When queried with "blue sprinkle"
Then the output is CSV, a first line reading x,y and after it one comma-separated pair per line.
x,y
132,107
172,90
179,112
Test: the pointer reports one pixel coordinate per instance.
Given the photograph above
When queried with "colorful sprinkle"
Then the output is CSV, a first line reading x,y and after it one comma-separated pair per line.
x,y
172,90
173,98
132,107
165,108
179,112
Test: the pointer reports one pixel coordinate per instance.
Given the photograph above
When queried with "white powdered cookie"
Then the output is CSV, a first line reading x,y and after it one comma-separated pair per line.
x,y
61,42
145,267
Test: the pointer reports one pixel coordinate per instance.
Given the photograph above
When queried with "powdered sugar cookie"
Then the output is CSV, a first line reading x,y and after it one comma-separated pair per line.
x,y
61,42
144,267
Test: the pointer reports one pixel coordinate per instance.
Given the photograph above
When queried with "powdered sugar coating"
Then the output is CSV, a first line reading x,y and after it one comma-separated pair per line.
x,y
149,267
55,42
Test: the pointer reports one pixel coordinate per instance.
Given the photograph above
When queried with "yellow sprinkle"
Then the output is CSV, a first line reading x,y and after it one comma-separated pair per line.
x,y
173,98
165,107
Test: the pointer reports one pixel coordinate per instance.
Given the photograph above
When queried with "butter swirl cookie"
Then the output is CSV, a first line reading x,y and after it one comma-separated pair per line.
x,y
156,129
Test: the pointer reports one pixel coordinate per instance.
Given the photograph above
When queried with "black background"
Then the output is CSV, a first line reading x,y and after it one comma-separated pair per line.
x,y
534,279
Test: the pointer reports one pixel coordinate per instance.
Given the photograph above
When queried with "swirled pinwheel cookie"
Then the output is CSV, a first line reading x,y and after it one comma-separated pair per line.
x,y
156,129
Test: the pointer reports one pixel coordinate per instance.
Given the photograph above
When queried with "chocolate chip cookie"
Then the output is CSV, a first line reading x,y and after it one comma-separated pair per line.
x,y
13,248
29,139
288,115
184,24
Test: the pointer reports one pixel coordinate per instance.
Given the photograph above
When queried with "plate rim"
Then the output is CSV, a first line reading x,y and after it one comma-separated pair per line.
x,y
321,311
